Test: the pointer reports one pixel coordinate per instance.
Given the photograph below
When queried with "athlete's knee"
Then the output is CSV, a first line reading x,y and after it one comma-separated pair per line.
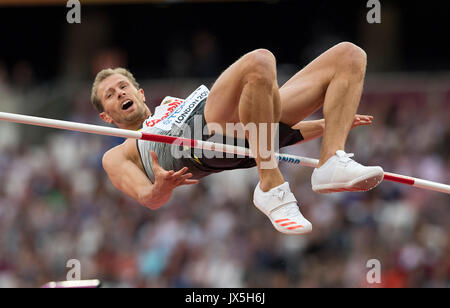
x,y
351,59
260,67
351,51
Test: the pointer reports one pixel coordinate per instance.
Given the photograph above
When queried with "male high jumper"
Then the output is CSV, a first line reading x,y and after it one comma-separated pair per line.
x,y
245,94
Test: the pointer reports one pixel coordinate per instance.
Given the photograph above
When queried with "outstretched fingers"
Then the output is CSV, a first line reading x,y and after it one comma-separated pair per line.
x,y
362,120
180,172
171,177
185,179
190,182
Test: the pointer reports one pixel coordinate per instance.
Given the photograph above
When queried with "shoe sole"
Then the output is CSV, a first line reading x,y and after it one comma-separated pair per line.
x,y
278,228
363,183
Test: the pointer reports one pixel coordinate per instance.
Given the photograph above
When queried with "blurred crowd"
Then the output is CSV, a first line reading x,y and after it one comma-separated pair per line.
x,y
57,204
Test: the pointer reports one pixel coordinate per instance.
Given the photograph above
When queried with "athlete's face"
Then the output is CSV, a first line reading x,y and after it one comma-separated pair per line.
x,y
123,104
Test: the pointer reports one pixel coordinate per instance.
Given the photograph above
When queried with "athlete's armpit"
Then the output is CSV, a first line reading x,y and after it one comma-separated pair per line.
x,y
125,175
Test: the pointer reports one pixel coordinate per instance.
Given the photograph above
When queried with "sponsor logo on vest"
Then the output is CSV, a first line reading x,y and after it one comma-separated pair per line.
x,y
181,118
177,111
171,107
185,109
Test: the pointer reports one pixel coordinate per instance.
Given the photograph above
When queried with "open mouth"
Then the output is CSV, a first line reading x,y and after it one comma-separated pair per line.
x,y
127,104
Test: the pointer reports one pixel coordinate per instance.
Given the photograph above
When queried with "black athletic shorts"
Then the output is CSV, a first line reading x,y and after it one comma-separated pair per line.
x,y
205,166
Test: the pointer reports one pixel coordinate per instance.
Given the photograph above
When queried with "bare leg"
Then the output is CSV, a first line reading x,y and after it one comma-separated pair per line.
x,y
341,102
247,93
334,80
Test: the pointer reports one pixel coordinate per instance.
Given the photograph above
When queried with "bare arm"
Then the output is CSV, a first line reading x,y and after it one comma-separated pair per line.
x,y
310,129
314,129
127,177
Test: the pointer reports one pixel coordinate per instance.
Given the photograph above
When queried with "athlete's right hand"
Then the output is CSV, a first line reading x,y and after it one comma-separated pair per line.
x,y
169,180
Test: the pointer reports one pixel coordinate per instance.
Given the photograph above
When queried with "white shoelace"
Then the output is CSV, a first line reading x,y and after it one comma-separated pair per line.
x,y
345,157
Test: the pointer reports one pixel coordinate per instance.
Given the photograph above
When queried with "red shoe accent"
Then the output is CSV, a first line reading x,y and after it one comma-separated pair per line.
x,y
281,220
296,227
288,223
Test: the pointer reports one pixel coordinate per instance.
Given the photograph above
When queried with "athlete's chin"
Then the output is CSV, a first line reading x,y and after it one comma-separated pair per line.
x,y
134,116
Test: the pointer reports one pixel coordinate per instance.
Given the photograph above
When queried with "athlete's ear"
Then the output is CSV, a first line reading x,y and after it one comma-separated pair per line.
x,y
105,117
142,94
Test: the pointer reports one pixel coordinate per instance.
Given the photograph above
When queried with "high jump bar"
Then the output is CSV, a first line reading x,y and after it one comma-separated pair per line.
x,y
205,145
73,284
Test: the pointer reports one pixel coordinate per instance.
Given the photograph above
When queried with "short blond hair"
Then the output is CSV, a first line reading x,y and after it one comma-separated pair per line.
x,y
102,75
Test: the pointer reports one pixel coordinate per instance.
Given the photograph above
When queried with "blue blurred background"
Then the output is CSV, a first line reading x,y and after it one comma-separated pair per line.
x,y
57,204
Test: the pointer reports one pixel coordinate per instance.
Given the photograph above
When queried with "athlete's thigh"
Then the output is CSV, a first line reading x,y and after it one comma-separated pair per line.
x,y
222,105
304,93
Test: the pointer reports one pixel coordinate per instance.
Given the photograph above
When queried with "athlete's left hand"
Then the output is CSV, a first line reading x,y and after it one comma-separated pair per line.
x,y
362,120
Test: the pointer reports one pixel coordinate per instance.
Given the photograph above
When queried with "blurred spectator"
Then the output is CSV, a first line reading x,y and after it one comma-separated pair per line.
x,y
108,58
206,56
57,204
22,75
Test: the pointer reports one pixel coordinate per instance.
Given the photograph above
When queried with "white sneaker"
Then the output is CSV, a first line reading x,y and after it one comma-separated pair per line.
x,y
280,205
341,173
